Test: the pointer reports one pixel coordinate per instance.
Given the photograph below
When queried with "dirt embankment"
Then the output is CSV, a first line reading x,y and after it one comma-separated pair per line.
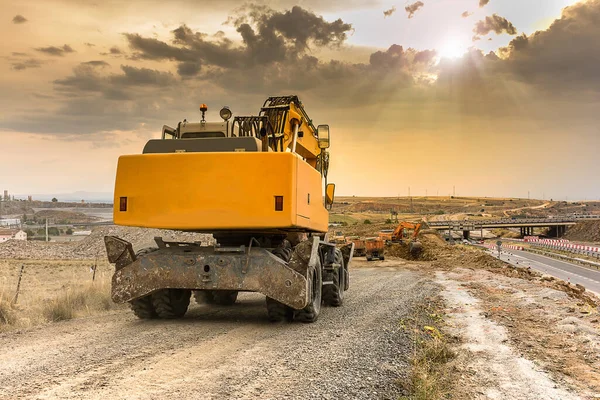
x,y
584,231
93,245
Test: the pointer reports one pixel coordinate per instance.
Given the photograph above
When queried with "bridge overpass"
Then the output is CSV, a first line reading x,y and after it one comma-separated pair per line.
x,y
558,226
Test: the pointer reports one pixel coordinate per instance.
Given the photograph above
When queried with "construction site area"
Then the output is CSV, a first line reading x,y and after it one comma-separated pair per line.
x,y
449,318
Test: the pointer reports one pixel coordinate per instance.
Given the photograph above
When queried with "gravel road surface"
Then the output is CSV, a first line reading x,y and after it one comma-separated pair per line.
x,y
357,351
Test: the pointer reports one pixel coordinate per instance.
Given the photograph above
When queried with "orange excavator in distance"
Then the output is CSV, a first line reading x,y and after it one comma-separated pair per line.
x,y
397,236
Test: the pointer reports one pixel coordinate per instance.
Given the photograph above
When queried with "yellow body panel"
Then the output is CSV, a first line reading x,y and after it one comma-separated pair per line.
x,y
219,191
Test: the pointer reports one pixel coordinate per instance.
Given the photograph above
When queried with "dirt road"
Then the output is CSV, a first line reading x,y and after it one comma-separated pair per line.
x,y
357,351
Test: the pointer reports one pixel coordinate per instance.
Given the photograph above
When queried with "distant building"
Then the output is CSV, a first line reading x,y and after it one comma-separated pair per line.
x,y
10,222
12,234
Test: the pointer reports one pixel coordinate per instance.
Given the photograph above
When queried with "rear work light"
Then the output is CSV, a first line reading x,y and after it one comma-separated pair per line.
x,y
278,203
123,204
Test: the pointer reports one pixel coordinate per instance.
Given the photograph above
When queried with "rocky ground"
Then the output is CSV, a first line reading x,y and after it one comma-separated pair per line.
x,y
93,245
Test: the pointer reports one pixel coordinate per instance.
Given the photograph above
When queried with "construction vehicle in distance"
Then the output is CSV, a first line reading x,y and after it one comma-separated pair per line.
x,y
397,236
360,247
338,238
256,184
374,249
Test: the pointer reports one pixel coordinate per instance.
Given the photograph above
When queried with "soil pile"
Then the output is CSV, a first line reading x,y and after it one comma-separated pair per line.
x,y
584,231
93,245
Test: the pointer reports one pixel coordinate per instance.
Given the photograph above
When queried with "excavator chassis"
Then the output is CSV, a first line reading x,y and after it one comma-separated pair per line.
x,y
194,267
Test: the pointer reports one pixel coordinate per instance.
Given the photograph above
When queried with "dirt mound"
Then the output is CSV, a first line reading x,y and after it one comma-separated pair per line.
x,y
138,237
585,231
93,245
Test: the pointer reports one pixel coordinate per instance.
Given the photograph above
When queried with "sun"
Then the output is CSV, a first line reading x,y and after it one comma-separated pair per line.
x,y
452,49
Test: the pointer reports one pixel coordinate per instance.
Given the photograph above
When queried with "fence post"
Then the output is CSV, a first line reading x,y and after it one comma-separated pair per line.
x,y
18,285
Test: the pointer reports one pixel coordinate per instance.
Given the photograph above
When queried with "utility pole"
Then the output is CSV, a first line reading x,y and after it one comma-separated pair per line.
x,y
453,191
46,229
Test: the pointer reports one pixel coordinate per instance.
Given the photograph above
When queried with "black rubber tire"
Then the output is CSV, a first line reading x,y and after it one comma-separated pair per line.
x,y
204,297
369,258
278,312
171,303
381,258
311,312
143,307
225,297
333,295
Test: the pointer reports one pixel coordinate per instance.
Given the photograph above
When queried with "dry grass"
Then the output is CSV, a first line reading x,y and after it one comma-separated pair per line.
x,y
7,312
430,374
85,300
51,293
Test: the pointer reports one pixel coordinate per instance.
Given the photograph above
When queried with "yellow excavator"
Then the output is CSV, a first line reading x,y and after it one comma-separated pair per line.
x,y
397,236
257,184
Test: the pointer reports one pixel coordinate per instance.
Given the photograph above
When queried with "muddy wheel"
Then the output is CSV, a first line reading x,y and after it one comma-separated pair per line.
x,y
143,307
278,312
225,297
369,258
171,303
333,295
204,297
311,312
381,258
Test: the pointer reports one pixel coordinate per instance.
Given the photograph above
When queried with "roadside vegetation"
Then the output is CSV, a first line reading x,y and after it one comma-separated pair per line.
x,y
430,375
43,300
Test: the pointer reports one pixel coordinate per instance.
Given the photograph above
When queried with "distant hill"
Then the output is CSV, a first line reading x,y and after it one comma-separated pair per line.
x,y
75,197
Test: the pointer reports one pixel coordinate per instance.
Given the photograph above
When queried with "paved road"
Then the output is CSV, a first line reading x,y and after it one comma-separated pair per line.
x,y
560,269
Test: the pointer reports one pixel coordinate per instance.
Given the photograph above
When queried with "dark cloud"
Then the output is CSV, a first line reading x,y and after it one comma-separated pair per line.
x,y
21,65
411,9
113,51
268,37
560,61
87,79
17,54
565,56
483,3
495,23
96,63
133,76
56,51
466,14
188,68
89,44
19,19
388,13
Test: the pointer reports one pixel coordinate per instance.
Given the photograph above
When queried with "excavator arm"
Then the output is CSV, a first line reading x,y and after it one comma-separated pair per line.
x,y
284,124
399,231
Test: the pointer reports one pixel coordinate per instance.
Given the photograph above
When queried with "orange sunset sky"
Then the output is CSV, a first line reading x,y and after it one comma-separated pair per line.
x,y
494,97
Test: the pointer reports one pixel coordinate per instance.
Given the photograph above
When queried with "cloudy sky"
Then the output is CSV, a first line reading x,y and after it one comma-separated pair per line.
x,y
494,97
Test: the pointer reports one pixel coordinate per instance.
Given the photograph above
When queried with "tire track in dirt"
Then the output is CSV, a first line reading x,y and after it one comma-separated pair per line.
x,y
355,351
